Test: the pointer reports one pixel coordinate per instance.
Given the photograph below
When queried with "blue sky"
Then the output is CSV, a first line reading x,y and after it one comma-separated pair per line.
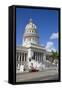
x,y
46,21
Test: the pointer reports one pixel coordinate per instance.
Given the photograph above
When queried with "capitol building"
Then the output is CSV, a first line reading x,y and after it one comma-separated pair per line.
x,y
30,48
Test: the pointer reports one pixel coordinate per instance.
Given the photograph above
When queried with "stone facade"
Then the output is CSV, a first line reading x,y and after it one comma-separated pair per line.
x,y
30,49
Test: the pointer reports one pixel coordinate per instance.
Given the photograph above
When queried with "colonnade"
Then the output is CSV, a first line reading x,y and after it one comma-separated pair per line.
x,y
21,57
38,56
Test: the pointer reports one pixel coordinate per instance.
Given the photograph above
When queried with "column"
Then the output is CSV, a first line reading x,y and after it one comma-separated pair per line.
x,y
24,57
39,56
18,61
44,57
35,55
21,58
18,56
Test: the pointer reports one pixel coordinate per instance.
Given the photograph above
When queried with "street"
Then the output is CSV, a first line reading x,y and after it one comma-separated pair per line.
x,y
37,76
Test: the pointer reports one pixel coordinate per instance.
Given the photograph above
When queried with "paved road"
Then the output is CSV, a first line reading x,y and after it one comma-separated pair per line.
x,y
37,76
51,77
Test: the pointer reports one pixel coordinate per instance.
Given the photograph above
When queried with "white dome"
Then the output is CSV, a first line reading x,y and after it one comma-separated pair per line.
x,y
30,27
30,34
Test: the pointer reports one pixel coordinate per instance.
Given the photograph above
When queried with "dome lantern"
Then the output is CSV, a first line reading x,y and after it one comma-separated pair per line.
x,y
30,20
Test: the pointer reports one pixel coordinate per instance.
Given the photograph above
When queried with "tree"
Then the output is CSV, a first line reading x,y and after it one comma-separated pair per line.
x,y
55,55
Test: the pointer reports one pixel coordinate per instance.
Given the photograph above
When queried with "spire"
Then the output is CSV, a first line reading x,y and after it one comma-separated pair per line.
x,y
30,20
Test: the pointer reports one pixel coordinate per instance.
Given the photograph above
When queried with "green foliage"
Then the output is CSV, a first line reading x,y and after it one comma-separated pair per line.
x,y
55,55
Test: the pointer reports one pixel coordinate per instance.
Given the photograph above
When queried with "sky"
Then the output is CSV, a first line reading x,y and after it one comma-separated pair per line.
x,y
46,22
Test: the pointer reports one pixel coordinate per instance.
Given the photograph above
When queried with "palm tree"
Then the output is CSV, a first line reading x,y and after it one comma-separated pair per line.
x,y
55,55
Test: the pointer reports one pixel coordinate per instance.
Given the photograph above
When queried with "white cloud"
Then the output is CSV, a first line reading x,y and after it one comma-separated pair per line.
x,y
50,46
54,36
